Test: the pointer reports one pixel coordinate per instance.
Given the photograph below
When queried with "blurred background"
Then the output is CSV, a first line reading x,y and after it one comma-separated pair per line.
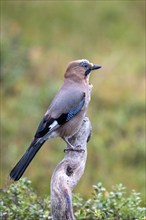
x,y
39,38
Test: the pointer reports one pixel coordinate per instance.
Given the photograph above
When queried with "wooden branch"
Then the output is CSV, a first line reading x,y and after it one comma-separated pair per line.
x,y
67,174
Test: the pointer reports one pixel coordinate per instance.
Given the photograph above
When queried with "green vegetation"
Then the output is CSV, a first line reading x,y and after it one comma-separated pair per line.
x,y
39,38
19,201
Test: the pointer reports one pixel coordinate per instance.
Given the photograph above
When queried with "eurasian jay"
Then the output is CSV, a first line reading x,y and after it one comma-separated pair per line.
x,y
65,113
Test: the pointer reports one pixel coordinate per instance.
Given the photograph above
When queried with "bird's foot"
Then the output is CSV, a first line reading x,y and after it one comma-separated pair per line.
x,y
74,150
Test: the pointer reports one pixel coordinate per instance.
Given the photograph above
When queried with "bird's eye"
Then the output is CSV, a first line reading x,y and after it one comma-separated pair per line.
x,y
84,64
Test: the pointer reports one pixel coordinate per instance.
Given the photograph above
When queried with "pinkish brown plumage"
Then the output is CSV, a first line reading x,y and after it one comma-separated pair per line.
x,y
65,113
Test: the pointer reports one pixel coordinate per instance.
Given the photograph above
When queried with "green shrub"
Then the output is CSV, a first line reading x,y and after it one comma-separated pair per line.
x,y
19,201
114,205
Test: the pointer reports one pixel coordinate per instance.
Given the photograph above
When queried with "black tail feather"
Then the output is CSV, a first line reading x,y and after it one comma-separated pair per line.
x,y
23,163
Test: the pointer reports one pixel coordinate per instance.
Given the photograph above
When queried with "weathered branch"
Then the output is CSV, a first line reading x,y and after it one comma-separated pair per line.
x,y
67,174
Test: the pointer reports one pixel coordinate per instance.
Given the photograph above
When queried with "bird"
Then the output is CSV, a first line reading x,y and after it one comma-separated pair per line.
x,y
65,113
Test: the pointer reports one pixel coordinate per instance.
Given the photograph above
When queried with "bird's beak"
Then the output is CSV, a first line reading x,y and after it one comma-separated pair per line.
x,y
92,67
95,67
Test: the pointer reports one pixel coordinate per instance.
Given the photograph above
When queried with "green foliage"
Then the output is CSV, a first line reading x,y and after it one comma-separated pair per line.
x,y
114,205
19,201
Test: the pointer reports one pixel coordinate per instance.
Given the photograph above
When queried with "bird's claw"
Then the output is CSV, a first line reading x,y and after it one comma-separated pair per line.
x,y
76,150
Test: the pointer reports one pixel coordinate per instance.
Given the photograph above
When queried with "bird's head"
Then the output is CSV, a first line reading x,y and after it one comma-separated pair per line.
x,y
80,69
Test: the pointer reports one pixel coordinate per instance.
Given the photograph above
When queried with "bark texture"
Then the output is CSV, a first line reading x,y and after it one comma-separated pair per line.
x,y
68,172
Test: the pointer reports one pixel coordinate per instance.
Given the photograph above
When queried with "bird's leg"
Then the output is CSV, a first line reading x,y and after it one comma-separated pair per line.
x,y
66,140
72,148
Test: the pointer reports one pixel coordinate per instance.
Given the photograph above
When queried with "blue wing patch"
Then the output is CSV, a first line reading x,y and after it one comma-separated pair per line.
x,y
75,110
65,117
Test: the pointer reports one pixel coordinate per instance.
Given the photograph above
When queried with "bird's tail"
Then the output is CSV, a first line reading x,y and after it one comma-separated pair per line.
x,y
23,163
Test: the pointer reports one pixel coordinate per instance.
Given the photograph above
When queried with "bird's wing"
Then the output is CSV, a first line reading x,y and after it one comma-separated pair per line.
x,y
65,105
